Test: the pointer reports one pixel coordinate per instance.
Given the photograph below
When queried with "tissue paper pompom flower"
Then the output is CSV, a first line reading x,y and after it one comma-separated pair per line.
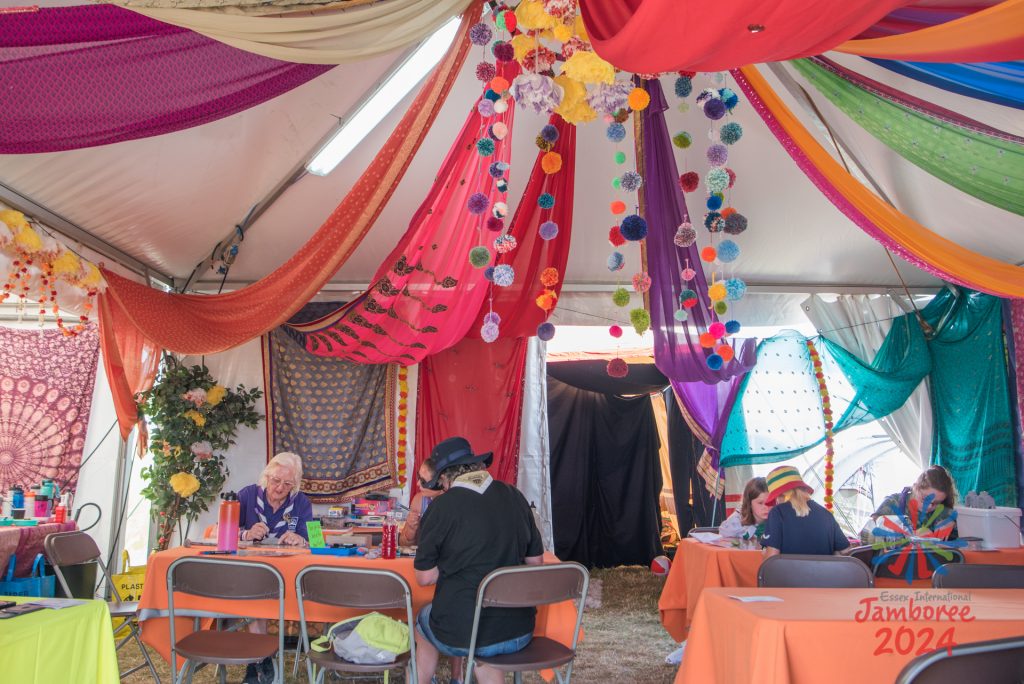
x,y
735,224
539,59
495,224
492,317
685,235
714,202
615,237
479,257
485,72
616,132
709,254
497,130
688,299
549,277
716,180
620,297
689,181
638,99
499,210
551,162
616,261
680,315
477,203
536,92
730,133
545,331
617,207
684,86
522,44
489,332
633,228
707,340
574,45
714,109
640,319
732,327
485,147
682,140
485,107
718,154
641,282
588,67
717,329
721,307
607,99
503,275
631,181
615,331
503,244
617,368
548,230
726,352
728,251
184,484
716,292
574,107
546,201
546,300
735,288
714,362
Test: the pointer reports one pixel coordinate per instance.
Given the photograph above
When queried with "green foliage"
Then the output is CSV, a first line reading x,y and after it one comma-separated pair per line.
x,y
189,434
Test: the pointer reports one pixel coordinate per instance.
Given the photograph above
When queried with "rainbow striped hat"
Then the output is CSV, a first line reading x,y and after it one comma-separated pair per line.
x,y
783,479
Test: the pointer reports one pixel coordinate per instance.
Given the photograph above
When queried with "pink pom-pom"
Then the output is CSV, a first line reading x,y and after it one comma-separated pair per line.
x,y
615,331
717,329
617,368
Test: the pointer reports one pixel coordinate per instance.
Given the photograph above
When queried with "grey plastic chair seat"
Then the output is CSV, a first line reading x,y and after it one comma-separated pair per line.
x,y
226,648
961,576
1000,661
330,661
819,572
541,653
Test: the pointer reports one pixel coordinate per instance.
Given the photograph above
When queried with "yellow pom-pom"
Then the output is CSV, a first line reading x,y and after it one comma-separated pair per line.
x,y
574,107
587,67
717,292
580,29
530,15
638,99
28,239
15,220
522,44
562,33
67,263
93,278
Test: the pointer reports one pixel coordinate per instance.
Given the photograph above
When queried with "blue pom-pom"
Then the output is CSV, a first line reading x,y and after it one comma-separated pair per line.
x,y
714,202
545,331
616,132
633,228
491,95
715,362
546,201
730,133
684,86
549,133
713,221
732,327
503,275
735,289
489,273
616,261
728,251
729,98
485,146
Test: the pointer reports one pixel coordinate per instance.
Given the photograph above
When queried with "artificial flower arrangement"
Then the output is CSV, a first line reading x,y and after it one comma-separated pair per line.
x,y
193,419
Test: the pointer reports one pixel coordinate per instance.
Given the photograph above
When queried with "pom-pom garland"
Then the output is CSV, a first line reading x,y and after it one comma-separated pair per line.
x,y
489,274
721,307
546,200
547,300
640,319
735,224
680,315
620,157
714,222
684,86
638,99
616,132
714,109
615,237
479,257
716,292
543,144
548,230
730,133
504,275
485,147
480,34
616,261
688,298
726,352
499,84
499,210
709,254
687,274
503,52
732,176
620,297
631,181
718,154
485,107
497,169
633,228
617,368
477,203
491,95
729,98
689,181
501,185
545,331
500,107
728,251
492,317
685,235
714,361
497,130
717,329
617,207
682,140
707,340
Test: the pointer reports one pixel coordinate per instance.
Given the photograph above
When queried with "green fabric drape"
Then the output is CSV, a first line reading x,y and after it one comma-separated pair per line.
x,y
970,394
778,413
984,166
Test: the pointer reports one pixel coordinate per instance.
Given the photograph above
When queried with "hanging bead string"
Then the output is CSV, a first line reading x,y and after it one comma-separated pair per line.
x,y
826,412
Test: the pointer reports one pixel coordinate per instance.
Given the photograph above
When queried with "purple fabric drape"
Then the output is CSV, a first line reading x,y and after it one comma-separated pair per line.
x,y
707,395
91,75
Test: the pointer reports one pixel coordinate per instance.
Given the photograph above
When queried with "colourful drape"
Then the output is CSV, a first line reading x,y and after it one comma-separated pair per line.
x,y
984,163
896,231
998,82
654,36
97,74
206,324
907,19
130,360
475,390
46,385
970,394
992,34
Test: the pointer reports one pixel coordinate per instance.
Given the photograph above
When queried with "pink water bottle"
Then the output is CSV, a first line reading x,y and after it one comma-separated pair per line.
x,y
389,537
227,525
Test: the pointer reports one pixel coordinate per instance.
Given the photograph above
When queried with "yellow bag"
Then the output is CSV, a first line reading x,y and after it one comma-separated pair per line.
x,y
129,584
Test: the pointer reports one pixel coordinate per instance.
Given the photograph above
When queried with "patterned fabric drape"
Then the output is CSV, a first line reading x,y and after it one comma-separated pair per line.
x,y
337,415
425,295
982,162
879,219
46,384
96,74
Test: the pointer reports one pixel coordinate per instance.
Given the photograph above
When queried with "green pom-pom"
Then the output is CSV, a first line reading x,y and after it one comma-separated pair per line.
x,y
479,257
499,21
716,180
616,182
620,157
621,297
682,140
721,308
485,146
640,319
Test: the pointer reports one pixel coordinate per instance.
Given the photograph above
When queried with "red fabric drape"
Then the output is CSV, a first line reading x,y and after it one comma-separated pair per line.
x,y
130,361
653,36
206,324
474,390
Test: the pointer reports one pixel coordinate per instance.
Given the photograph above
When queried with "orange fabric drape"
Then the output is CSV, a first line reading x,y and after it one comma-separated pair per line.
x,y
206,324
130,361
994,34
932,250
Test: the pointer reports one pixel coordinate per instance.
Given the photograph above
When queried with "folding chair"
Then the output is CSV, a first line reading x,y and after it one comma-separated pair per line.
x,y
230,580
75,548
963,576
354,588
824,572
1000,661
527,586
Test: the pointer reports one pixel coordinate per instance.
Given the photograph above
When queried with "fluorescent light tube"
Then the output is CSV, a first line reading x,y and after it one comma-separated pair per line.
x,y
394,89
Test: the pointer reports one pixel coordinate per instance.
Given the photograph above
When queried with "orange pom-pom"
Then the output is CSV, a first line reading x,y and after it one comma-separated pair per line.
x,y
709,253
547,300
499,84
618,207
727,212
707,340
551,162
726,352
638,99
549,277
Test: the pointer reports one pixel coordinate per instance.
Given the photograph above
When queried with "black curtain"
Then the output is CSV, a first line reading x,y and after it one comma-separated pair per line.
x,y
605,475
687,485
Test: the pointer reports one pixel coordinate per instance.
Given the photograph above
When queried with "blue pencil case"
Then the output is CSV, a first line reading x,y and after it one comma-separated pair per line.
x,y
327,551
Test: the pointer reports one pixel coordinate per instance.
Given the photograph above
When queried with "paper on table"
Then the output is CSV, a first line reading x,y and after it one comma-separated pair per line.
x,y
706,537
57,603
756,599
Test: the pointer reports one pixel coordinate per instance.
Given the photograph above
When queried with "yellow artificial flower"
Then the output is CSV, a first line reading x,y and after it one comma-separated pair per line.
x,y
184,484
587,67
15,220
580,30
522,44
67,263
198,418
215,395
93,278
28,239
530,15
562,33
574,108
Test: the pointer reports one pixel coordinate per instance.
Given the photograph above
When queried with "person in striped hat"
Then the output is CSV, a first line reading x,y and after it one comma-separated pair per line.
x,y
797,524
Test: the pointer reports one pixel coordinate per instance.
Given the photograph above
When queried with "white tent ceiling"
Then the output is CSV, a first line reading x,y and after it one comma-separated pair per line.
x,y
168,200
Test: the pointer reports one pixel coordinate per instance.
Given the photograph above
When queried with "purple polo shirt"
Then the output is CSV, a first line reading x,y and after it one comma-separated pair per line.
x,y
301,512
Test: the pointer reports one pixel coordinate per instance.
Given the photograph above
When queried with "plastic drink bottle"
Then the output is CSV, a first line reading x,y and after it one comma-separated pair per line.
x,y
227,526
389,537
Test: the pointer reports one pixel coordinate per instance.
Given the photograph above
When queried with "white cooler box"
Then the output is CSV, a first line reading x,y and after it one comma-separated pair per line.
x,y
999,527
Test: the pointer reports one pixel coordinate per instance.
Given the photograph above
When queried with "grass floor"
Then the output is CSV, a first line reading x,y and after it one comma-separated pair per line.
x,y
623,639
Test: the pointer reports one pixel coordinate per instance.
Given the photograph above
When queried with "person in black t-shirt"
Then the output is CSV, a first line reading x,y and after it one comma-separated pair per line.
x,y
479,525
796,524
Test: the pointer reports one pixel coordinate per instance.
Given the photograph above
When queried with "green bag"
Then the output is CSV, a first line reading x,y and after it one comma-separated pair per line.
x,y
371,639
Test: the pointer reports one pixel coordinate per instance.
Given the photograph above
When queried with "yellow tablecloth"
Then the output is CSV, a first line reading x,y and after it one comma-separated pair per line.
x,y
71,645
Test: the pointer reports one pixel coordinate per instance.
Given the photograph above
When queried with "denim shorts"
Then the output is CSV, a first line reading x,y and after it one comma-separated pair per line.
x,y
489,651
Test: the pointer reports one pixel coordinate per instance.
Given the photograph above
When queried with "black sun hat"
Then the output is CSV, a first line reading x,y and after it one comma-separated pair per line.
x,y
454,451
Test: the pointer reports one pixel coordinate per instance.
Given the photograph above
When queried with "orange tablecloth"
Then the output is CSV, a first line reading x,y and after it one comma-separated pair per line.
x,y
555,621
698,566
812,635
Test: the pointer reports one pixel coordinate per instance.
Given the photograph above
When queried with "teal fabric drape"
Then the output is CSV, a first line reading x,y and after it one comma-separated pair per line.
x,y
970,394
778,413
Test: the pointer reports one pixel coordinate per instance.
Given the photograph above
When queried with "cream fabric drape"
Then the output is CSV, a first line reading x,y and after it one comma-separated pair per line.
x,y
347,35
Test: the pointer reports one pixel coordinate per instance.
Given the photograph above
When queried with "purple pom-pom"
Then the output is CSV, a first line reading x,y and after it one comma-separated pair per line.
x,y
485,71
546,201
485,107
492,317
633,228
631,181
548,230
489,273
545,331
549,133
496,169
495,224
714,109
480,34
477,203
735,224
489,332
718,154
503,52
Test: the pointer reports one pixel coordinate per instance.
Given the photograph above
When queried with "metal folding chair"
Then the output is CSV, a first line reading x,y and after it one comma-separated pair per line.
x,y
827,572
963,576
1000,661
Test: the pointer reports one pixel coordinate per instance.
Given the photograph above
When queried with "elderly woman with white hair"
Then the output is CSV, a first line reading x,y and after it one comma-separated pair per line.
x,y
275,508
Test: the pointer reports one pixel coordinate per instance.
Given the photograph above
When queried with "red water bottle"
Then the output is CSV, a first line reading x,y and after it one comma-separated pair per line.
x,y
389,537
227,525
